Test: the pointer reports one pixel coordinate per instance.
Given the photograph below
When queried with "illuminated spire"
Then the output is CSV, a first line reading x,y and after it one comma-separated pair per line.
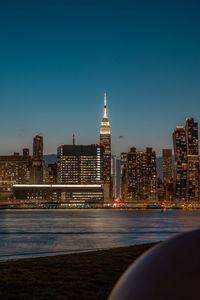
x,y
105,99
105,108
105,125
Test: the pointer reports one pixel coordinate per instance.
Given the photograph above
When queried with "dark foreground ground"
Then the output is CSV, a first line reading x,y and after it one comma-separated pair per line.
x,y
89,275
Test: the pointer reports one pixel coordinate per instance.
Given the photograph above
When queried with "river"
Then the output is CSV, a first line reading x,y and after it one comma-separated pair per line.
x,y
32,233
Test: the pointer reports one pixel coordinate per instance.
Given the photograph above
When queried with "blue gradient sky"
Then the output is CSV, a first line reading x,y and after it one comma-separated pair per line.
x,y
58,57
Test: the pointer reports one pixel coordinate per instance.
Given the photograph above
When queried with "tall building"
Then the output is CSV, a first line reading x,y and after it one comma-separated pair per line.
x,y
80,164
142,187
167,165
180,164
114,174
38,165
123,162
139,176
151,173
105,141
79,167
132,175
191,129
166,186
38,147
186,161
146,175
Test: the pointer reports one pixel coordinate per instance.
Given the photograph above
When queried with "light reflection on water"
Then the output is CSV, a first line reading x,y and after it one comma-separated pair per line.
x,y
44,232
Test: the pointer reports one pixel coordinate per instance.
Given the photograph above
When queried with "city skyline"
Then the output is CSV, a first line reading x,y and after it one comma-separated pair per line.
x,y
99,152
58,59
73,139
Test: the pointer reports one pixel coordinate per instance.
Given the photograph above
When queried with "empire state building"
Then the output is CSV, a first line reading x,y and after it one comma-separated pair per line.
x,y
105,141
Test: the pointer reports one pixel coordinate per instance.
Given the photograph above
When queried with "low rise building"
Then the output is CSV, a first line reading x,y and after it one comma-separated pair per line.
x,y
64,195
14,169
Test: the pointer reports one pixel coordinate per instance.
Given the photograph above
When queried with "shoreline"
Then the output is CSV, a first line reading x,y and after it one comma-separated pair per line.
x,y
83,275
33,255
99,208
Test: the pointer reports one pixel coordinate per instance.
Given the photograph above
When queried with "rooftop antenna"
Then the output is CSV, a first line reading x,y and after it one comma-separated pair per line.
x,y
105,99
73,138
105,107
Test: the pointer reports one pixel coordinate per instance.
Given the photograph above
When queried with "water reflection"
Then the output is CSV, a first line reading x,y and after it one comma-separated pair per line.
x,y
40,232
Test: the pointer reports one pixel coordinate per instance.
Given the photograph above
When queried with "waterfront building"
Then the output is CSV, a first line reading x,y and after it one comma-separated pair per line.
x,y
139,180
80,164
186,161
191,130
180,164
147,175
60,195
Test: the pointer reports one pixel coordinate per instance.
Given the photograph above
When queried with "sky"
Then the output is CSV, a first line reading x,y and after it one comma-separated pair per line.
x,y
57,58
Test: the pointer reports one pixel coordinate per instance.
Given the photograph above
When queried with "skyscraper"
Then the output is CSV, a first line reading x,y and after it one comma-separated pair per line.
x,y
151,173
167,165
38,147
139,180
38,165
123,162
105,141
180,155
132,174
186,161
191,129
115,174
167,183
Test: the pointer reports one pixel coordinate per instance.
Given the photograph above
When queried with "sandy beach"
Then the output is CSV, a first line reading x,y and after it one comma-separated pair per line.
x,y
90,275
